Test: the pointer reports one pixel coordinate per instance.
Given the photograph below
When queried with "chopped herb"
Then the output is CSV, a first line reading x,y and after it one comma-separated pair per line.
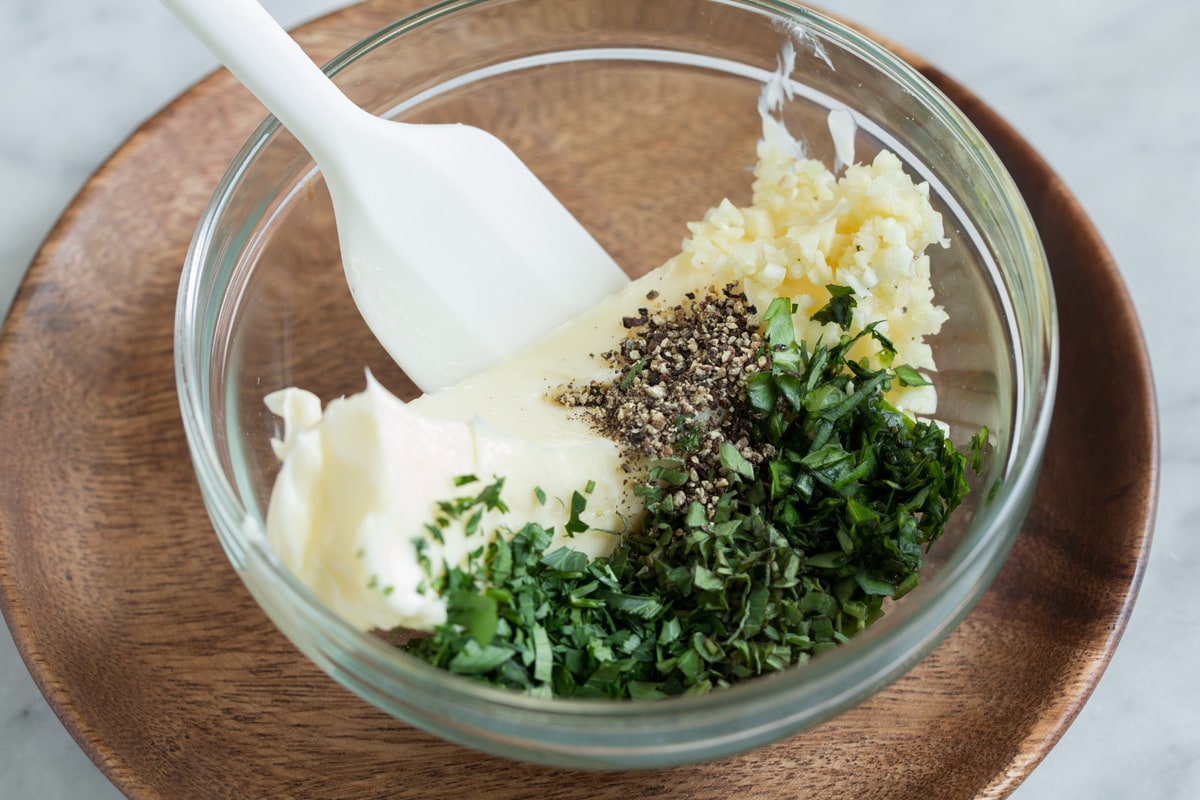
x,y
633,372
575,524
472,526
910,377
975,449
840,307
797,553
735,462
435,533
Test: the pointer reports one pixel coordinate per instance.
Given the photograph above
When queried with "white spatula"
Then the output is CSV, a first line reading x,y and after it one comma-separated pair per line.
x,y
455,253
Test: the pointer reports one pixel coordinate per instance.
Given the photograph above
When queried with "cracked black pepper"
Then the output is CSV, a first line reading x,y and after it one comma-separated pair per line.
x,y
679,389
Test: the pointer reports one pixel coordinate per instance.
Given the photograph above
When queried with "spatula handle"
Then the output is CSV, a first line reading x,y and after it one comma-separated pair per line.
x,y
268,62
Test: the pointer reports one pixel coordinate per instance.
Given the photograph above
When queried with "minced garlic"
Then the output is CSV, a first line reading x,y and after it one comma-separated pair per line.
x,y
806,229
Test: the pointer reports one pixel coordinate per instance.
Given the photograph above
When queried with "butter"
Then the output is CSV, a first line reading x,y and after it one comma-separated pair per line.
x,y
360,481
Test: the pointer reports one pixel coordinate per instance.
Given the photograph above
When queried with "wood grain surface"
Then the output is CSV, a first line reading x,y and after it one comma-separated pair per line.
x,y
166,672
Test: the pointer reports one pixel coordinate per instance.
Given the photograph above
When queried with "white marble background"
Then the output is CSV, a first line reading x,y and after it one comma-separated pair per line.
x,y
1104,89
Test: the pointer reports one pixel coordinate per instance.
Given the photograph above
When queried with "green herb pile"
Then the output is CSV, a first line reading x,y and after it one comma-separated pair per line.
x,y
798,554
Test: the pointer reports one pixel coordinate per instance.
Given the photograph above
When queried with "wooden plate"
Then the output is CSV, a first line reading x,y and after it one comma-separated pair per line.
x,y
165,671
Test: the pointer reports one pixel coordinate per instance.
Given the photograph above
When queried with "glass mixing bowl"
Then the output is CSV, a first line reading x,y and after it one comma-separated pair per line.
x,y
639,115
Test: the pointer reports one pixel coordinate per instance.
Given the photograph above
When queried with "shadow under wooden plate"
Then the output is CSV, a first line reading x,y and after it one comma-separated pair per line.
x,y
169,676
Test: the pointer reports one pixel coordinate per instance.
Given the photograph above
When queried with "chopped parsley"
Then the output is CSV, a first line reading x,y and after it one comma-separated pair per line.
x,y
802,549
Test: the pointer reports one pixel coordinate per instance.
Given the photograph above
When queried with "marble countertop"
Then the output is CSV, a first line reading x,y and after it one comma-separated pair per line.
x,y
1104,90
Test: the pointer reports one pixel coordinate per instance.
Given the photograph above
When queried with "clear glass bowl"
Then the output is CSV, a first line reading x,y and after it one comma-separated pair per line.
x,y
639,115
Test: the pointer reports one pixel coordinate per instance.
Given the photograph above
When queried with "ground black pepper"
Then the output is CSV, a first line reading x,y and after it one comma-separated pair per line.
x,y
680,389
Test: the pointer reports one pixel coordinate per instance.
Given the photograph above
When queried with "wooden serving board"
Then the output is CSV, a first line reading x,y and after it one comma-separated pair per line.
x,y
169,676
